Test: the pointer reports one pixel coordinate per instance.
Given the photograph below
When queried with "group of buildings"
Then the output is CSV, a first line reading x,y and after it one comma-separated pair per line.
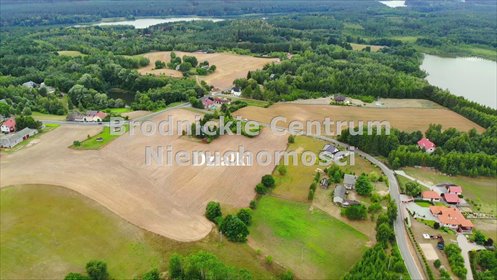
x,y
450,194
213,102
89,116
342,191
10,137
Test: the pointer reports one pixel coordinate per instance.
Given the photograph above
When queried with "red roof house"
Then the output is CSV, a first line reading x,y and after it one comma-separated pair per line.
x,y
454,189
426,145
8,126
430,196
451,217
451,198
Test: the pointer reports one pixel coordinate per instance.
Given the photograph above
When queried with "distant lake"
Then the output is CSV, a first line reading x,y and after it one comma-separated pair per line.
x,y
147,22
473,78
394,4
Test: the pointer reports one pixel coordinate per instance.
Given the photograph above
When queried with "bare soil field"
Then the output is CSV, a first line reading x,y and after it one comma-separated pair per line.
x,y
167,200
408,119
229,67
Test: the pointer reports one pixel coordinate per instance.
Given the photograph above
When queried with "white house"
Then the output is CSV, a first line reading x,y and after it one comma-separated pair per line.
x,y
8,126
236,91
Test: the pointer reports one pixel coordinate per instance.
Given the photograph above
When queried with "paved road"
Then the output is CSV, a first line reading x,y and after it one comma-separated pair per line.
x,y
466,247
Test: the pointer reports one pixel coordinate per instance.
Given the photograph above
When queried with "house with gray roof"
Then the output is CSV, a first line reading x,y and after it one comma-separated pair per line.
x,y
349,181
11,140
339,195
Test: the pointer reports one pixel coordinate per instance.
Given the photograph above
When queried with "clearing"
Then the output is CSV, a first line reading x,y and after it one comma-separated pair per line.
x,y
48,231
71,53
229,67
313,244
167,200
407,119
360,47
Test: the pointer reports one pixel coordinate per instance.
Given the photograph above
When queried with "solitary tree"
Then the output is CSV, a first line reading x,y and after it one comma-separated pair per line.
x,y
268,181
363,185
213,211
97,270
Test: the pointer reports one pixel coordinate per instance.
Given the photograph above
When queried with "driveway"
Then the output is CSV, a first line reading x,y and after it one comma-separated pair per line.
x,y
466,247
421,212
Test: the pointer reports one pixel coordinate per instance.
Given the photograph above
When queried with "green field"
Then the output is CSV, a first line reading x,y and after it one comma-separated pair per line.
x,y
70,53
295,184
119,110
49,231
97,141
48,117
251,102
312,243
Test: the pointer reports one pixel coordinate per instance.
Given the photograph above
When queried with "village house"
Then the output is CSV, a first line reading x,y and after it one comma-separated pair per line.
x,y
427,145
453,189
329,151
349,181
90,116
339,195
236,91
221,100
451,198
452,218
8,126
30,84
430,196
339,98
11,140
208,103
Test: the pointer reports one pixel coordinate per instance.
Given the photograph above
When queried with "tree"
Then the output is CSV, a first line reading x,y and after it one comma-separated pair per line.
x,y
245,216
213,211
268,181
261,189
185,67
384,233
436,225
27,121
191,60
413,189
479,237
363,185
282,170
253,204
151,275
437,263
355,212
175,270
373,176
159,64
75,276
291,139
97,270
234,229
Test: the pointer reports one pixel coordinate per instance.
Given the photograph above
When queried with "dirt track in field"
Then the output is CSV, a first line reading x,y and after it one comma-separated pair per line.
x,y
408,119
229,67
167,200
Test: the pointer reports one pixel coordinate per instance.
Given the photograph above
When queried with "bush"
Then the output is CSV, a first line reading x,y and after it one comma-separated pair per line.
x,y
282,169
355,212
213,211
436,225
234,229
291,139
437,263
413,189
76,276
253,204
76,143
288,275
268,181
363,185
269,260
261,189
151,275
310,195
456,260
245,216
97,270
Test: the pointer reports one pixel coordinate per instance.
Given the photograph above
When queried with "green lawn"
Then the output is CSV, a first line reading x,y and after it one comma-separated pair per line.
x,y
49,231
312,243
423,203
98,141
295,184
251,102
481,190
47,128
70,53
118,110
48,117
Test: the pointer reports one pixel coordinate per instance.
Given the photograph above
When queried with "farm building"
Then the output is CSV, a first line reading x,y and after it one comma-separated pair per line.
x,y
453,189
430,196
427,145
349,181
339,195
8,126
452,218
9,141
339,98
451,198
329,151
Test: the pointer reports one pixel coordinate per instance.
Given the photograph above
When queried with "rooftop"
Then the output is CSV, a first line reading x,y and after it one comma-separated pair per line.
x,y
450,215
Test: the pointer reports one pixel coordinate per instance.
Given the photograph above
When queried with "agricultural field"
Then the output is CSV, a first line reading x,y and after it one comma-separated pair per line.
x,y
48,231
47,117
229,67
314,244
32,140
118,177
295,184
96,141
407,119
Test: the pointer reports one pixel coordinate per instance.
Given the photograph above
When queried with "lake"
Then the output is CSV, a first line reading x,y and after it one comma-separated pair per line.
x,y
394,4
147,22
471,77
